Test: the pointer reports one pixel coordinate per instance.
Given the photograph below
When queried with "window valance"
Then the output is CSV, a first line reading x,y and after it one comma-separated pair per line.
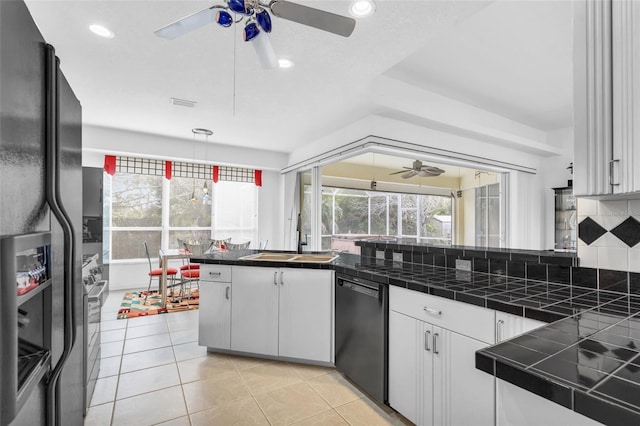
x,y
168,169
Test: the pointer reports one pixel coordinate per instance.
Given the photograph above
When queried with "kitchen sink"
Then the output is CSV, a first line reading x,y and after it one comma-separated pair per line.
x,y
290,257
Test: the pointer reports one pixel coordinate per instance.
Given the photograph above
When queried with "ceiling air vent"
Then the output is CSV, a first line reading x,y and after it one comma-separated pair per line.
x,y
183,102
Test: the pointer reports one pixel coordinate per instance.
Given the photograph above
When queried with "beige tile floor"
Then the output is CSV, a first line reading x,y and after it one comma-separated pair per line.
x,y
153,372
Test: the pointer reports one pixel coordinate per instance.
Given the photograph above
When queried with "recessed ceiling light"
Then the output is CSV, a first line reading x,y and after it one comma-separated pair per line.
x,y
101,31
362,8
285,63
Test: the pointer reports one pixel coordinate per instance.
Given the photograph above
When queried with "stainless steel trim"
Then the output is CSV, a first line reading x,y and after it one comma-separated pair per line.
x,y
611,181
435,344
427,336
432,311
499,326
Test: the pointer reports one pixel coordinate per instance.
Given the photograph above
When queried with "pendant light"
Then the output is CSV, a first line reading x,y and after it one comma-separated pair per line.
x,y
205,189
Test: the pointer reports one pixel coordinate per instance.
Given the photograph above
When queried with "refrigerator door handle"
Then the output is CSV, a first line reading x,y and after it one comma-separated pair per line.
x,y
52,118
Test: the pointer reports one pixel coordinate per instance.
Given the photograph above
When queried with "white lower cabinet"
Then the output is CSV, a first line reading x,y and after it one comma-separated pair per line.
x,y
214,323
285,312
254,310
517,406
432,374
305,320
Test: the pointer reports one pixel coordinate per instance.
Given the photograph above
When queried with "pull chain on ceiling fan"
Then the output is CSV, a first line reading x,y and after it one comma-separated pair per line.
x,y
420,170
256,15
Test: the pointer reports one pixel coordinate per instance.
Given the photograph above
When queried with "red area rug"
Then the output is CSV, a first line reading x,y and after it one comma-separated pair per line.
x,y
133,303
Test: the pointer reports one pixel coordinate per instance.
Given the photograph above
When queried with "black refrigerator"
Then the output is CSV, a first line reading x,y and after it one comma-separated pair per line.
x,y
41,324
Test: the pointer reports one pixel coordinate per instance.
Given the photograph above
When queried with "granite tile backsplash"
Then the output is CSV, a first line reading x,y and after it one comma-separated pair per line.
x,y
533,265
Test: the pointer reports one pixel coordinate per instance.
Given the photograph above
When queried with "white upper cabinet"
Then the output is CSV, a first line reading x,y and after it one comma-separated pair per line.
x,y
606,97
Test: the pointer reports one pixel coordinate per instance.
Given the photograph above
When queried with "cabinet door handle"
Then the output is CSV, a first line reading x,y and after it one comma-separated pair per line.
x,y
275,278
432,311
281,278
427,337
226,293
499,325
435,343
611,181
214,274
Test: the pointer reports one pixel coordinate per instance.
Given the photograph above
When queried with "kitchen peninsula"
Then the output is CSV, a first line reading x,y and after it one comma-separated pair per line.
x,y
580,354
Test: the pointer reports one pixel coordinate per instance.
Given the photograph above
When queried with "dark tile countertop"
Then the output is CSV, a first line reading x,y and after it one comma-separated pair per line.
x,y
587,359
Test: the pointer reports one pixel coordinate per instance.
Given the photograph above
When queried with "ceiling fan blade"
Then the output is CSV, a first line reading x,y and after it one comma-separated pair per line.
x,y
401,171
425,173
264,50
188,23
409,174
433,170
316,18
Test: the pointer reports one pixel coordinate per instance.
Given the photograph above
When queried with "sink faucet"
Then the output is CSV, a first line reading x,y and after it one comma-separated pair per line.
x,y
299,235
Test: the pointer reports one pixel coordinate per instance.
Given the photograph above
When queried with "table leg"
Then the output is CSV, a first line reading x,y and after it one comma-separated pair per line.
x,y
163,282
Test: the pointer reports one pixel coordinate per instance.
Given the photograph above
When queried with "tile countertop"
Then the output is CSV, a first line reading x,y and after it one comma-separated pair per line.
x,y
587,359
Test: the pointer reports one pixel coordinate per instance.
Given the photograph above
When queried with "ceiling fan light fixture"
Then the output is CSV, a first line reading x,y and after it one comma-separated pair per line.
x,y
362,8
237,6
250,31
264,20
224,19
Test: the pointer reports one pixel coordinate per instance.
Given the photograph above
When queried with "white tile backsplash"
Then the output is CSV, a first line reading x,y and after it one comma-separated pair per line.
x,y
634,260
613,258
588,207
613,208
588,256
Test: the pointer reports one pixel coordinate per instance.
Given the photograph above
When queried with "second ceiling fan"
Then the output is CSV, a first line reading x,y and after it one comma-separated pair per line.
x,y
420,170
257,17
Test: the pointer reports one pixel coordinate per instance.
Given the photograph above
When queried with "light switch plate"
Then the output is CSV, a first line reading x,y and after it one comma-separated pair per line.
x,y
463,265
379,254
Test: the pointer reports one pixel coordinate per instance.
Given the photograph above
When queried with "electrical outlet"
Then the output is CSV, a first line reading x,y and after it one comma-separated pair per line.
x,y
463,265
379,254
397,257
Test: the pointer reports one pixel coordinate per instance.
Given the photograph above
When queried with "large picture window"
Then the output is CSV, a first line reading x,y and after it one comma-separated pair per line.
x,y
349,214
162,212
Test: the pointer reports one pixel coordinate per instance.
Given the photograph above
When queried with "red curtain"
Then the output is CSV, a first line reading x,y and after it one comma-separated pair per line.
x,y
110,164
167,169
257,175
216,172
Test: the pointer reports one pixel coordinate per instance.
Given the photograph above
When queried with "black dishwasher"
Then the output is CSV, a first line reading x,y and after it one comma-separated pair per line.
x,y
361,333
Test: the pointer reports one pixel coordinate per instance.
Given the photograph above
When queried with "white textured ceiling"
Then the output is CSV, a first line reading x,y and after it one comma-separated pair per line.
x,y
126,82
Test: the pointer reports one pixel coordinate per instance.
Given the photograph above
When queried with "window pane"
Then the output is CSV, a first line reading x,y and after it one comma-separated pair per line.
x,y
353,214
128,244
136,200
435,219
379,215
183,212
409,222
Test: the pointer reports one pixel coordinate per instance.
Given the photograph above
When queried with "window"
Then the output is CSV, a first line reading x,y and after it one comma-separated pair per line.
x,y
160,211
488,215
349,214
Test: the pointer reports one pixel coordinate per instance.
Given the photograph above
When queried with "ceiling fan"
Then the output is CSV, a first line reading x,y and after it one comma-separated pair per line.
x,y
420,170
256,15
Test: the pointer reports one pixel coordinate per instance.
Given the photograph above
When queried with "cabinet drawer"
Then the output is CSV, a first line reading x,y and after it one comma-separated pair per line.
x,y
463,318
216,273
